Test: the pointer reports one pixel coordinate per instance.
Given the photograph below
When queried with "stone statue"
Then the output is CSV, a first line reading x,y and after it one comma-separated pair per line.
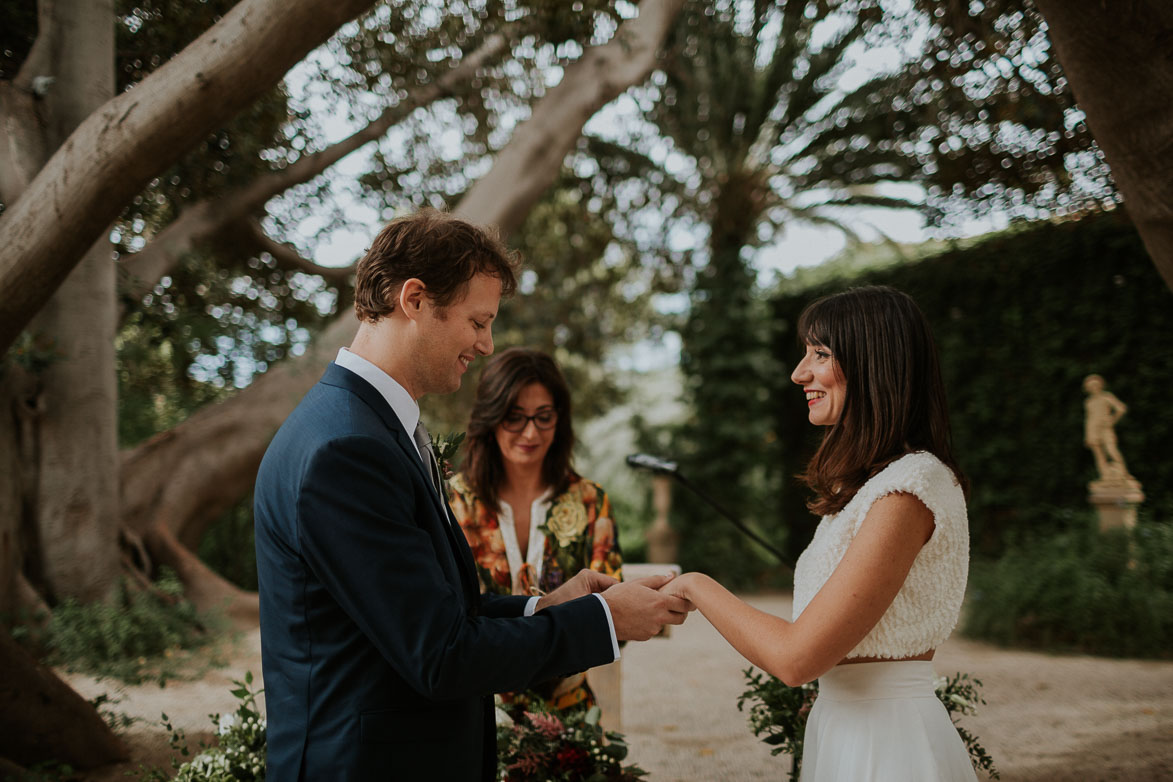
x,y
1116,493
1103,411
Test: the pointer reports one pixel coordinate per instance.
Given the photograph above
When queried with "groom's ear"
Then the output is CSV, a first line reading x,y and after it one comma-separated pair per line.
x,y
413,298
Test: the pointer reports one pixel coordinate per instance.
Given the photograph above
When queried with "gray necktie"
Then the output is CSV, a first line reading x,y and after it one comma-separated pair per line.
x,y
424,441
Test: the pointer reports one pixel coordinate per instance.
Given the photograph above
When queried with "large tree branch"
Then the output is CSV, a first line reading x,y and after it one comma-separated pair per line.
x,y
215,453
1103,46
186,477
287,256
143,270
137,134
531,160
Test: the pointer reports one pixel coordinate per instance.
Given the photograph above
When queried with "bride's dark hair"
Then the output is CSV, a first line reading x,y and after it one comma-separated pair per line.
x,y
895,398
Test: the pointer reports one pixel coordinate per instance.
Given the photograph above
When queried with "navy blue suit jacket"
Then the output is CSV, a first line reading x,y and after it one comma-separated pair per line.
x,y
379,653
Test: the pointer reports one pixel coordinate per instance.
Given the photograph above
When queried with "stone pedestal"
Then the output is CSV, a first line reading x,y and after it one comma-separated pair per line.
x,y
662,539
1115,501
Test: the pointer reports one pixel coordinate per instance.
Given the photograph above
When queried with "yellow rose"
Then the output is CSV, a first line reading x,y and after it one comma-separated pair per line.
x,y
567,521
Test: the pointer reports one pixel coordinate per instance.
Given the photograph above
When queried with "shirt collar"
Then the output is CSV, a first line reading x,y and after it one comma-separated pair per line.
x,y
404,407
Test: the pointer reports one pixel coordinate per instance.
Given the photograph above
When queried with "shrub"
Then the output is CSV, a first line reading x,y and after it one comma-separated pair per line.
x,y
1081,590
239,754
135,636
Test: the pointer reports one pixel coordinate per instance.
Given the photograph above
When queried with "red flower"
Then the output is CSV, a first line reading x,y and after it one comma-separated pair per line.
x,y
572,758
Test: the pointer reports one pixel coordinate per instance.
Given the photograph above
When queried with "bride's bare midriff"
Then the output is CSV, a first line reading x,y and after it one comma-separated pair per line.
x,y
926,656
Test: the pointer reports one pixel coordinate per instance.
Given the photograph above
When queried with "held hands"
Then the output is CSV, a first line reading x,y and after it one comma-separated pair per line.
x,y
639,611
585,582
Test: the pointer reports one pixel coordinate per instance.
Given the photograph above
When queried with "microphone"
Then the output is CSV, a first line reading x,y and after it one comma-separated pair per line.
x,y
645,461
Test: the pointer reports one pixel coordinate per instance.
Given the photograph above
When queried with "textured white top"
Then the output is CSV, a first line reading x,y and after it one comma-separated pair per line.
x,y
926,608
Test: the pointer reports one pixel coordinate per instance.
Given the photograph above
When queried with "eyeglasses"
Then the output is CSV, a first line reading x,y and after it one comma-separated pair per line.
x,y
544,419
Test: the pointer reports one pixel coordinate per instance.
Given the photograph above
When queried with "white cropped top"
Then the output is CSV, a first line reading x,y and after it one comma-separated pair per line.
x,y
926,608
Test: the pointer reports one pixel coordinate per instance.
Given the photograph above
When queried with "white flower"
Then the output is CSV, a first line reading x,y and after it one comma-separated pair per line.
x,y
227,722
567,521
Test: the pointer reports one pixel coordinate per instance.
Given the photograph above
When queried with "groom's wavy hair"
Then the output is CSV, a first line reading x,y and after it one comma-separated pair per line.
x,y
441,250
502,381
895,402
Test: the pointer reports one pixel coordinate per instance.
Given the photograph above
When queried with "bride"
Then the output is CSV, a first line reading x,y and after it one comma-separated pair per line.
x,y
880,586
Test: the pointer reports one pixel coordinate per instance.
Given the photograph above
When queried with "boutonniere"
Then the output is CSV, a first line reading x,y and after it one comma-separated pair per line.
x,y
446,448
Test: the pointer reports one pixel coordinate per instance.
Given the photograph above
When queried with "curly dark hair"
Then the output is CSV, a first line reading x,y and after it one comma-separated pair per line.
x,y
895,398
441,250
502,381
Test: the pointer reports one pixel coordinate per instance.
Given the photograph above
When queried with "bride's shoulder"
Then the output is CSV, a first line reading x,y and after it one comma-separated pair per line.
x,y
918,467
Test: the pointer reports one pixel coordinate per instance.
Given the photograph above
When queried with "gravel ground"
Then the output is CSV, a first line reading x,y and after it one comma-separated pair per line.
x,y
1048,718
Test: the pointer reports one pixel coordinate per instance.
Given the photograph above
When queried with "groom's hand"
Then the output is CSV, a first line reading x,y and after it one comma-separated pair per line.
x,y
586,582
639,611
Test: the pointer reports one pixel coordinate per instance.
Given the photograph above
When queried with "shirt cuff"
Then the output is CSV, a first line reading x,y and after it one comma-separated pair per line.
x,y
532,604
610,625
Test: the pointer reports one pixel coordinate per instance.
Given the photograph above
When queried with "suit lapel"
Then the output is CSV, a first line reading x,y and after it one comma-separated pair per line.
x,y
344,378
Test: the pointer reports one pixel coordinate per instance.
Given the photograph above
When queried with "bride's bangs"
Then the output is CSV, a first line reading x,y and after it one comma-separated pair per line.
x,y
812,327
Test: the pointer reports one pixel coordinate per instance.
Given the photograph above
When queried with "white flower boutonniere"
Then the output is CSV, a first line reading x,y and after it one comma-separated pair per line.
x,y
567,521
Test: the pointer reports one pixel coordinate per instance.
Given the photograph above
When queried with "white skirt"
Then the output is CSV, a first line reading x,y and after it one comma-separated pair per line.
x,y
882,722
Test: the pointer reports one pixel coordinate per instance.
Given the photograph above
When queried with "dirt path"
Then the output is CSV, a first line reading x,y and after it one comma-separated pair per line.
x,y
1048,718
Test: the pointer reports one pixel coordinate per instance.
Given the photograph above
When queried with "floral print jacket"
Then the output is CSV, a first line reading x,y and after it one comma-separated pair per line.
x,y
578,529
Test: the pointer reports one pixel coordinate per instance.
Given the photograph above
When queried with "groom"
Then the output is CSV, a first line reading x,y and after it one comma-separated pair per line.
x,y
379,652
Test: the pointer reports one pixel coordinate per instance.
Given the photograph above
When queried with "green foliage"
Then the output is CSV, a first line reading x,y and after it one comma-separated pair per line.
x,y
961,695
135,636
561,746
723,448
1020,319
118,721
1079,590
48,771
239,754
779,713
33,354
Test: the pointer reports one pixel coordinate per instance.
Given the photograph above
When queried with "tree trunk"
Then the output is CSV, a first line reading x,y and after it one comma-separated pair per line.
x,y
42,718
1116,56
76,500
136,135
186,477
18,397
77,480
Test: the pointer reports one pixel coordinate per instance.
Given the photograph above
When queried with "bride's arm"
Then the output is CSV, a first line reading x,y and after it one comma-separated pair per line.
x,y
844,611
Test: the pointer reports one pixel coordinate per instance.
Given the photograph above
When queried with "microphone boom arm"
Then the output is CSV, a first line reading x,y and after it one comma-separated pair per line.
x,y
665,467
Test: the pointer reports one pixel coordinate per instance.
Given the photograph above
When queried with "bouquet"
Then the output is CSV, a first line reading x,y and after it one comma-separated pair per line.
x,y
563,747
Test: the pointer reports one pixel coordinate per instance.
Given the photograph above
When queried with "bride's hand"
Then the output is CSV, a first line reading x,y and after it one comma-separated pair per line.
x,y
678,587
